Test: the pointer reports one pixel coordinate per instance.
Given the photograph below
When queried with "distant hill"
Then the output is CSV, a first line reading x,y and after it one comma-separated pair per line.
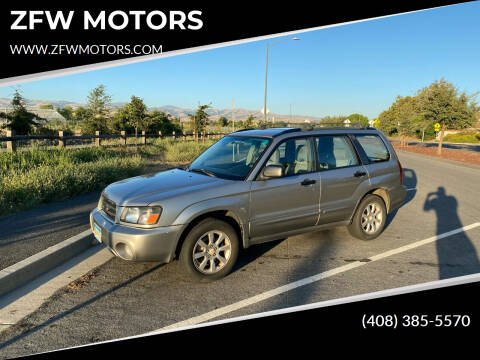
x,y
182,113
5,103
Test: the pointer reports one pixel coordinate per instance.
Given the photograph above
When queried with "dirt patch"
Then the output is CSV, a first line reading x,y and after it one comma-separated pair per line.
x,y
82,281
450,154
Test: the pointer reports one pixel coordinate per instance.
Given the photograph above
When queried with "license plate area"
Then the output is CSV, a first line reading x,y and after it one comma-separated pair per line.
x,y
97,232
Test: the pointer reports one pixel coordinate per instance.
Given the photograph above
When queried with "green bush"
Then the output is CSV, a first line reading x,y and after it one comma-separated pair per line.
x,y
21,190
181,151
463,137
429,133
29,178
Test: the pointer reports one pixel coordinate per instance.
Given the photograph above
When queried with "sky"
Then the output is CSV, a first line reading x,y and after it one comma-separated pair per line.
x,y
354,68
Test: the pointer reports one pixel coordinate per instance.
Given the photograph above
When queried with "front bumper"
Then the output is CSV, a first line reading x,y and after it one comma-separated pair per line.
x,y
136,244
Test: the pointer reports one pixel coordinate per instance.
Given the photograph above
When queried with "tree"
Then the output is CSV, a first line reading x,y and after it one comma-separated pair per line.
x,y
358,118
66,112
20,119
223,121
441,102
97,111
136,114
199,119
46,106
402,118
160,121
98,101
119,121
79,115
249,121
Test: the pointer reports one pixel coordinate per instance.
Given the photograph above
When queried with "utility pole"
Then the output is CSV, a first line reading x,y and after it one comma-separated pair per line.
x,y
268,46
233,114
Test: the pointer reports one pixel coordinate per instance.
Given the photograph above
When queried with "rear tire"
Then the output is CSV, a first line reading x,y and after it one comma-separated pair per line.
x,y
210,250
369,219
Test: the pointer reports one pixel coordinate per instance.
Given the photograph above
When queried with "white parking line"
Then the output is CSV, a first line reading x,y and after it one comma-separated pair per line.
x,y
311,279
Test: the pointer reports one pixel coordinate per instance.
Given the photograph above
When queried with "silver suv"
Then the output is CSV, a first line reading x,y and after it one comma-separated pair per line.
x,y
251,187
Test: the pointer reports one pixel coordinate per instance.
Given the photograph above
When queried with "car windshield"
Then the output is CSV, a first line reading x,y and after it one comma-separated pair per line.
x,y
231,157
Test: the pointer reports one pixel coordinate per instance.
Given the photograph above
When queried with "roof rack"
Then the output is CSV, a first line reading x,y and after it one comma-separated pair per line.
x,y
337,126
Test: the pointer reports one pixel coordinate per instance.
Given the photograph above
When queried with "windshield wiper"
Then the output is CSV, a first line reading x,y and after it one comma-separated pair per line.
x,y
203,171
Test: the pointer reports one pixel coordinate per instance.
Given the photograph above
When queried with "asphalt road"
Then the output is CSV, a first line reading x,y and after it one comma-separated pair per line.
x,y
125,299
29,232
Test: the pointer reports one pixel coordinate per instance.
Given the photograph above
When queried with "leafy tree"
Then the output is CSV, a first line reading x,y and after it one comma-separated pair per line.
x,y
79,115
136,112
160,121
199,119
119,121
98,101
97,111
66,112
358,118
249,121
402,118
19,118
46,107
403,115
441,102
223,121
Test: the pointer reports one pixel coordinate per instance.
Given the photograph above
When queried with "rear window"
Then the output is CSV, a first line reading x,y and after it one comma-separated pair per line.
x,y
374,147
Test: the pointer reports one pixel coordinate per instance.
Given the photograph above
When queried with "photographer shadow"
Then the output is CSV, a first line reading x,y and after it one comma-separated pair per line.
x,y
457,255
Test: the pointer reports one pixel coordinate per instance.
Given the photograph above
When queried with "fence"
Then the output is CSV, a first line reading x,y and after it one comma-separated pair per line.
x,y
11,139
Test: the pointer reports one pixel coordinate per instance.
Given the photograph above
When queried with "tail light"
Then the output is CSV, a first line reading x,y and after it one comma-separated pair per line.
x,y
401,172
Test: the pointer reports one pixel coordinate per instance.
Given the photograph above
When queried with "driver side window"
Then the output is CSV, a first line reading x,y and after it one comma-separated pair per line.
x,y
295,155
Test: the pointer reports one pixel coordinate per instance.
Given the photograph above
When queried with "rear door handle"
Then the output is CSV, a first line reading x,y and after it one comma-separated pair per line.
x,y
360,173
308,182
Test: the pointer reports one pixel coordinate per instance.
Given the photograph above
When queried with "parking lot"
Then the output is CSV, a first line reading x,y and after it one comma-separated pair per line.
x,y
122,299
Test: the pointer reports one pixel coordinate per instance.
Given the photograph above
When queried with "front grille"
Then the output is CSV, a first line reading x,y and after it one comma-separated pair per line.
x,y
109,207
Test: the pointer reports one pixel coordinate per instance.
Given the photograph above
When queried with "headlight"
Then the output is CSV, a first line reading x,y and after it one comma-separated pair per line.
x,y
141,215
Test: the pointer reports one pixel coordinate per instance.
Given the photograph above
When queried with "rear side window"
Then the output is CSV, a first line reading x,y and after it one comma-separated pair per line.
x,y
374,147
334,152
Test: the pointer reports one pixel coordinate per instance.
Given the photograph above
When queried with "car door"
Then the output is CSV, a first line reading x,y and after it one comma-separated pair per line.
x,y
289,203
342,176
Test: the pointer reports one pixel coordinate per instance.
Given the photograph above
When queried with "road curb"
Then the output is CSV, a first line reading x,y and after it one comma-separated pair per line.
x,y
26,270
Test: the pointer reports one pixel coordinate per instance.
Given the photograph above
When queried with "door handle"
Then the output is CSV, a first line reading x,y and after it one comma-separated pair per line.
x,y
308,182
360,173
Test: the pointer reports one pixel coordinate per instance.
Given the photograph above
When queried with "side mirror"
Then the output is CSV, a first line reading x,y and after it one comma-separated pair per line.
x,y
273,171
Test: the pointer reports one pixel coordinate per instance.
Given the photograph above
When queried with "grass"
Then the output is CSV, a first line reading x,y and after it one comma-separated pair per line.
x,y
31,177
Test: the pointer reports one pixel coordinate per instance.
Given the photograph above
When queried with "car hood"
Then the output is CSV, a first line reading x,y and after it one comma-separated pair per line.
x,y
145,189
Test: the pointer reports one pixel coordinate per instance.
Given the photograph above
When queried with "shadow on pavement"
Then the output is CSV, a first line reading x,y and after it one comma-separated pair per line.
x,y
322,249
77,307
249,255
456,254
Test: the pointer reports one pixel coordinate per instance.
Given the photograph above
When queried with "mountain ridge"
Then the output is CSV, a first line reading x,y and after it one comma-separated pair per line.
x,y
176,111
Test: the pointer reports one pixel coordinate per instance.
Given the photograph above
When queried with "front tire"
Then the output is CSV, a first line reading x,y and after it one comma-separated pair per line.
x,y
369,219
210,250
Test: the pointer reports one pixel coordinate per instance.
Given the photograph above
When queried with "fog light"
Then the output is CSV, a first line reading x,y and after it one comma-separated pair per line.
x,y
124,251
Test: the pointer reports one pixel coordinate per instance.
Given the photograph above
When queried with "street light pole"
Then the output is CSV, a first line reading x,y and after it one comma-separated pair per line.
x,y
266,73
265,98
